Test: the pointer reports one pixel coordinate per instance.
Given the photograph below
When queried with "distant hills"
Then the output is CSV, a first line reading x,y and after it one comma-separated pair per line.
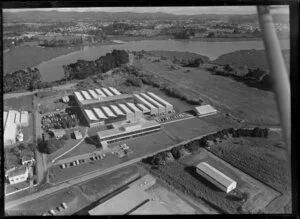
x,y
57,16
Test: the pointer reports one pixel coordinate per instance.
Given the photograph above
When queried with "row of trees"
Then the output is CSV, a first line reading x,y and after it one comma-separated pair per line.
x,y
255,76
192,147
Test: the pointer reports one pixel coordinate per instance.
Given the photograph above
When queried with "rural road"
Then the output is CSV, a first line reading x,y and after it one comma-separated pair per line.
x,y
88,176
59,87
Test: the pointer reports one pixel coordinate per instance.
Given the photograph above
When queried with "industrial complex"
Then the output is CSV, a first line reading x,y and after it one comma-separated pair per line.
x,y
108,105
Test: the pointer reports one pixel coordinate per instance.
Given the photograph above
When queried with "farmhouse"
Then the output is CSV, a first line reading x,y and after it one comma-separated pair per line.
x,y
216,177
18,175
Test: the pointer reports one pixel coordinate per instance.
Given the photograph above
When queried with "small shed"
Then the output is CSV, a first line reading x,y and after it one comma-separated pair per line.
x,y
77,134
58,133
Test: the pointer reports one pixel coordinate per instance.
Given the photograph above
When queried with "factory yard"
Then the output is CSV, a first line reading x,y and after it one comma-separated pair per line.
x,y
140,146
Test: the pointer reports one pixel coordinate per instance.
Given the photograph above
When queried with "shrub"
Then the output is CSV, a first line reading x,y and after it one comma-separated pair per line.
x,y
133,80
192,146
66,137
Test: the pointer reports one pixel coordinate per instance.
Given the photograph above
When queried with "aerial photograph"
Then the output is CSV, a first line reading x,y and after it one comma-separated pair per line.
x,y
146,110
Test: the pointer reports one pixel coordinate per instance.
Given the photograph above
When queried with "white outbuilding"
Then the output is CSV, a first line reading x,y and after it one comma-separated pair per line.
x,y
216,177
205,110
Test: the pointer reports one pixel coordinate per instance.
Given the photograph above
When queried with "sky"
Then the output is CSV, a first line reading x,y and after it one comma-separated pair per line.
x,y
172,10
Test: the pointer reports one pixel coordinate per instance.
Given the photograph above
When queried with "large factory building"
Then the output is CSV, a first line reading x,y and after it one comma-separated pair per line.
x,y
107,105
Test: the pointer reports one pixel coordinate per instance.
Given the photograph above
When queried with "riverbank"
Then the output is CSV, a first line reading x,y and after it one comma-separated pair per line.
x,y
202,39
21,57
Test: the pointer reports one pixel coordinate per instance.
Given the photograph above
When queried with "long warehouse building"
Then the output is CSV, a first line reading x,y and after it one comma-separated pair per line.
x,y
216,177
128,131
153,109
169,107
161,108
100,96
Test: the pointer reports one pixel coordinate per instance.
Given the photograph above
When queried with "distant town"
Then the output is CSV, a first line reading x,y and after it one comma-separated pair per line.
x,y
124,113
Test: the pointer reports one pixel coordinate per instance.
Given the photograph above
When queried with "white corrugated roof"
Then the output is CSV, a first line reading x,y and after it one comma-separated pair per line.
x,y
90,114
215,174
143,108
154,96
154,102
205,109
144,101
93,93
86,95
10,131
24,117
133,107
115,91
125,108
11,117
100,92
117,110
99,113
108,112
4,117
107,92
79,96
18,117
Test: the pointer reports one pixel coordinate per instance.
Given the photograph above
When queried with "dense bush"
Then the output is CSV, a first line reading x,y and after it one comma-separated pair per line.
x,y
49,146
134,81
193,63
28,79
82,68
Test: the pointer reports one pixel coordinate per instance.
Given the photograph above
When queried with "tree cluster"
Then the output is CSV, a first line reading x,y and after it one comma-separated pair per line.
x,y
28,79
51,145
83,69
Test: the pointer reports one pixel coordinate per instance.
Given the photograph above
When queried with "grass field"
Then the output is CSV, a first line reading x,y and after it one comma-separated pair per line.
x,y
20,103
101,186
253,105
41,205
190,128
261,158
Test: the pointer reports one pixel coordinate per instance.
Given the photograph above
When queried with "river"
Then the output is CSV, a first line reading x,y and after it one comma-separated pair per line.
x,y
52,70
